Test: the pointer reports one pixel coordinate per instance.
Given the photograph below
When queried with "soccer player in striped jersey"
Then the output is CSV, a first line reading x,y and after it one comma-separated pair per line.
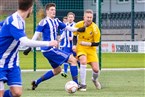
x,y
66,40
1,24
12,34
48,27
86,49
65,19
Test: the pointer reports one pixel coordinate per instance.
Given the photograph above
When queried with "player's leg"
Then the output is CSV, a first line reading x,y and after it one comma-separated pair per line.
x,y
73,68
65,67
56,58
1,88
49,74
14,82
3,79
75,55
93,61
83,65
15,91
95,74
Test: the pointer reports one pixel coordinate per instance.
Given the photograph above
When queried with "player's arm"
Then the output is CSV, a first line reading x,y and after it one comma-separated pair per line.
x,y
89,43
32,43
40,27
74,40
96,37
73,29
35,36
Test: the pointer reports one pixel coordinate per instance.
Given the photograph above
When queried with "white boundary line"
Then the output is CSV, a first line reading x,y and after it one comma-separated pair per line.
x,y
103,69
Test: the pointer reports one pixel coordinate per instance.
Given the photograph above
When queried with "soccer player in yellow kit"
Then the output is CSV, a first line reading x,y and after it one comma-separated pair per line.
x,y
85,44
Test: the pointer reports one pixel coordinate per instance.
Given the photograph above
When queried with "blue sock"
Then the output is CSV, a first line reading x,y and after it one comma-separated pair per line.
x,y
65,67
46,76
7,93
74,73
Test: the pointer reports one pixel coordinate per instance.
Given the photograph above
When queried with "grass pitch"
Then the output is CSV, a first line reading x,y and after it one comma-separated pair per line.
x,y
114,83
109,60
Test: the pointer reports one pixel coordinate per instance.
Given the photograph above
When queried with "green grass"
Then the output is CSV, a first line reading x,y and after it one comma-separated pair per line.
x,y
123,60
114,83
109,60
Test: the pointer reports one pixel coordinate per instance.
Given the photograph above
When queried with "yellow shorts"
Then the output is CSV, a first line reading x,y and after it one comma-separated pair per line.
x,y
90,53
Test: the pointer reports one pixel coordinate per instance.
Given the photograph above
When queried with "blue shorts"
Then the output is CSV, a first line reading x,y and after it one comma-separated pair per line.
x,y
68,50
12,76
56,57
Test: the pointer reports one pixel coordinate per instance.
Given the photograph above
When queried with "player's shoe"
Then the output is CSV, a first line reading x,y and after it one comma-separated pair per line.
x,y
64,75
97,84
82,87
34,85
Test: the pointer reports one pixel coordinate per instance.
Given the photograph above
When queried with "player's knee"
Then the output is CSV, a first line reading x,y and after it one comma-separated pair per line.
x,y
17,93
83,62
57,70
96,70
72,60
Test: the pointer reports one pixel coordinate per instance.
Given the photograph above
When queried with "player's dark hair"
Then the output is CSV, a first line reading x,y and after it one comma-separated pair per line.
x,y
65,17
71,13
50,5
25,4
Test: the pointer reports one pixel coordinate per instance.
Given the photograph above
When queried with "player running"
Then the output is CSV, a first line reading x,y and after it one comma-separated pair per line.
x,y
66,41
48,27
86,49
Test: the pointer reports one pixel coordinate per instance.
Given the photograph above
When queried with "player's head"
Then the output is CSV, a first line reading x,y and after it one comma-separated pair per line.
x,y
25,5
70,17
50,10
88,17
65,19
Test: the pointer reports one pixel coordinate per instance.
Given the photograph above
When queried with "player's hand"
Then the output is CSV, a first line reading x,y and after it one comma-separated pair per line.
x,y
26,52
74,48
81,29
85,43
53,43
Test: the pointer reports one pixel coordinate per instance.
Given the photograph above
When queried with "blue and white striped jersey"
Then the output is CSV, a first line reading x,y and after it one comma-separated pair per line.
x,y
11,31
65,37
1,24
49,29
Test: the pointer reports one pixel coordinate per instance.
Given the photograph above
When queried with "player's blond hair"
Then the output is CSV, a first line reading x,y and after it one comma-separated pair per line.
x,y
88,11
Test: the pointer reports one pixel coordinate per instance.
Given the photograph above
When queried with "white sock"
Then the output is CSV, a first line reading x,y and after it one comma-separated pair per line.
x,y
95,75
83,74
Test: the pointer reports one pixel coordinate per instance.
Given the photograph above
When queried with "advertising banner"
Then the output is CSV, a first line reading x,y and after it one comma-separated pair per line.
x,y
123,47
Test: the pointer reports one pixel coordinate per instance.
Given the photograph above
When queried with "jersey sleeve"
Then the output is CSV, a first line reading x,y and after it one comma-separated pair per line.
x,y
17,29
96,33
61,25
1,23
41,26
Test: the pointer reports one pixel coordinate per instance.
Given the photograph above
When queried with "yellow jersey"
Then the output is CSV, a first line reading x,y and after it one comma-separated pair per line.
x,y
91,34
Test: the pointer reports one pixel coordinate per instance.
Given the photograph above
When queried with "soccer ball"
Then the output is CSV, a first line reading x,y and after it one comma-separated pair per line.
x,y
71,87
